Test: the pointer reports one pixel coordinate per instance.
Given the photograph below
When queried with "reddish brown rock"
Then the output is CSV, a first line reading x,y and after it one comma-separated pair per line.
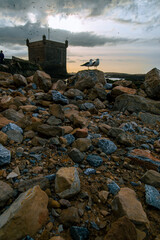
x,y
4,121
82,144
152,83
119,90
81,133
42,80
69,216
19,80
57,111
122,229
25,216
126,203
3,138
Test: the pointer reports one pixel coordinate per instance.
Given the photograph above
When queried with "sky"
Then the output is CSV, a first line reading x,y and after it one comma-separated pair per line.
x,y
123,34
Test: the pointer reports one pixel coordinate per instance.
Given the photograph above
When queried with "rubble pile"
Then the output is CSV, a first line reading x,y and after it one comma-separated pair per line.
x,y
79,159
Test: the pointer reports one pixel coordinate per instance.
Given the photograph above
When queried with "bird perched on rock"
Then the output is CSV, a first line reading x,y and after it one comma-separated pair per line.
x,y
95,63
88,64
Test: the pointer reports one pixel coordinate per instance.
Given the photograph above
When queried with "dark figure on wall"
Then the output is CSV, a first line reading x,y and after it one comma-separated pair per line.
x,y
1,57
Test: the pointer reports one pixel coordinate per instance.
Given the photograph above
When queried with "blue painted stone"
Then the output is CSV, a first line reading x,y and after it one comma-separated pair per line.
x,y
59,98
152,196
94,225
108,86
135,184
38,157
107,146
128,127
78,98
5,155
105,114
70,138
12,126
88,105
89,171
79,233
113,187
35,115
145,146
27,238
34,86
155,132
51,177
94,160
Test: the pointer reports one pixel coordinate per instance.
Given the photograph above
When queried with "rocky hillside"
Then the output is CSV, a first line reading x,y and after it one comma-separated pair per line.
x,y
79,159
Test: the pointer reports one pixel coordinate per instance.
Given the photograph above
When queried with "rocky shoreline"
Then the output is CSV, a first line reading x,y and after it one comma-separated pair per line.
x,y
79,159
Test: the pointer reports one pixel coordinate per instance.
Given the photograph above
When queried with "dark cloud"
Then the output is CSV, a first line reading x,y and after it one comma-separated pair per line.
x,y
19,34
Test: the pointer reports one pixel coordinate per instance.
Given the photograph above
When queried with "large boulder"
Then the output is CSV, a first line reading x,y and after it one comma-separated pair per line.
x,y
135,103
25,216
19,80
67,182
126,203
88,79
152,84
42,80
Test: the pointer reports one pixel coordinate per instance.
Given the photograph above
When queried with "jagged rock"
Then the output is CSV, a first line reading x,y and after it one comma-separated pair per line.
x,y
81,133
76,155
69,216
152,196
3,138
27,184
57,111
13,115
79,233
14,135
152,84
5,102
98,104
135,103
103,195
125,139
28,108
42,80
112,187
73,93
6,192
12,126
152,178
149,118
94,160
54,121
107,146
4,121
79,121
123,83
59,98
48,130
122,229
19,80
88,79
25,216
59,86
126,203
67,182
119,90
114,132
5,155
83,144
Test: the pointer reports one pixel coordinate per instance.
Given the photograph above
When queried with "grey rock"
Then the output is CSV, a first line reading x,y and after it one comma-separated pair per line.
x,y
94,160
135,103
107,146
12,126
149,118
70,138
5,155
59,98
112,187
13,115
114,132
54,121
152,196
76,155
152,178
48,130
27,184
15,136
89,171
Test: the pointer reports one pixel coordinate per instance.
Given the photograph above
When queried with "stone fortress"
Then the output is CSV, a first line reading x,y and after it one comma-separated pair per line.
x,y
49,54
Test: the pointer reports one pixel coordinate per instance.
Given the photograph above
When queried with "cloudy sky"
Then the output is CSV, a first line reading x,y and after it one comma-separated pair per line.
x,y
123,34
